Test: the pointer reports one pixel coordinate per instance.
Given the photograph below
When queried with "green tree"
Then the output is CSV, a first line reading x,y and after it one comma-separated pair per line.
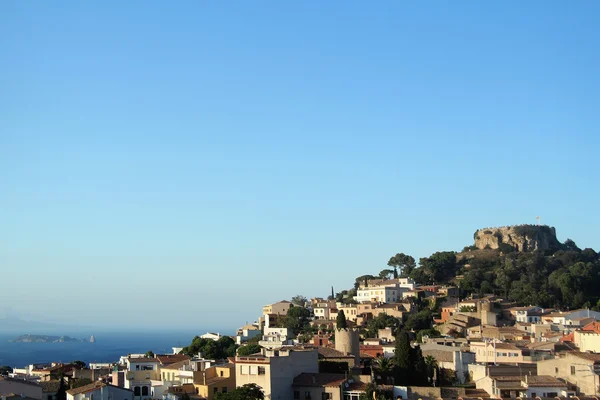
x,y
340,322
382,321
385,367
439,266
404,262
432,366
432,333
249,349
419,321
296,320
249,391
149,354
61,393
299,300
5,370
220,349
386,273
78,364
402,360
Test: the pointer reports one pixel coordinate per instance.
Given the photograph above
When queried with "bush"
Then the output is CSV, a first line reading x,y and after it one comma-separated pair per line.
x,y
487,232
506,248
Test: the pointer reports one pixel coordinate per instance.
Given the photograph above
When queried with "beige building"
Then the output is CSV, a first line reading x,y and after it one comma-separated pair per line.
x,y
580,370
213,380
274,370
498,353
279,308
143,377
350,311
587,341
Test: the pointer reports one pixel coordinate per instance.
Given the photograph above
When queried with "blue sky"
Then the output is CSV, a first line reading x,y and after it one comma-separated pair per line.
x,y
165,164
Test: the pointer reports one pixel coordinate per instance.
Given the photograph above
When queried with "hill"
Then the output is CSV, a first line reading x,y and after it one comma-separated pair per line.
x,y
524,263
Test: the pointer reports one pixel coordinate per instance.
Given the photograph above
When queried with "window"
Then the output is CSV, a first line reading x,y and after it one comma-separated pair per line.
x,y
551,394
296,394
556,370
326,396
533,394
220,373
136,391
216,390
307,395
49,397
137,367
144,390
572,370
261,370
224,389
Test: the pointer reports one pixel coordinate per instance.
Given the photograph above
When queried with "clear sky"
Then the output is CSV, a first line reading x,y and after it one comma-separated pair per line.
x,y
181,164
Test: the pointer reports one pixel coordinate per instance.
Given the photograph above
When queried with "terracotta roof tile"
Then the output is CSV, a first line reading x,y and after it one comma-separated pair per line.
x,y
87,388
319,380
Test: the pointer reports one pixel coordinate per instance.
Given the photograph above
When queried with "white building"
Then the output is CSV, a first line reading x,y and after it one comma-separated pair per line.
x,y
451,358
246,333
532,315
570,318
380,294
275,338
322,312
211,335
99,391
524,387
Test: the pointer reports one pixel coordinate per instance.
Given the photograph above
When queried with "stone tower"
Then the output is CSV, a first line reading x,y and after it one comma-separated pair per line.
x,y
348,342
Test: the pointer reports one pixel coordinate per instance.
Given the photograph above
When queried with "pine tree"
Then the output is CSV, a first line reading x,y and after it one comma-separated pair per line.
x,y
340,321
402,358
61,393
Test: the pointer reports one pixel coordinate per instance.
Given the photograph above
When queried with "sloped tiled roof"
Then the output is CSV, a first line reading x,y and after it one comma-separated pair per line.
x,y
319,380
50,386
544,381
176,365
440,355
87,388
167,359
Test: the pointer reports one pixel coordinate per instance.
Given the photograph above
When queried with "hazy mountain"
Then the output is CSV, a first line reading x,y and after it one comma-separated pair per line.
x,y
12,324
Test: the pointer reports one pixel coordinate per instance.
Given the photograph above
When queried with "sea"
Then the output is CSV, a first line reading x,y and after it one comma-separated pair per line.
x,y
108,347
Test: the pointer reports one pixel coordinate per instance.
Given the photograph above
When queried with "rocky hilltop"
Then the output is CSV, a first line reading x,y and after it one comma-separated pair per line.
x,y
519,237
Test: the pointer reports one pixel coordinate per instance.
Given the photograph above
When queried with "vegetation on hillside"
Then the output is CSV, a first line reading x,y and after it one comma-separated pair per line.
x,y
213,349
566,278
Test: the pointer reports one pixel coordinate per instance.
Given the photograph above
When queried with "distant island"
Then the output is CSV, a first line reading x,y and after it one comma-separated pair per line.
x,y
46,339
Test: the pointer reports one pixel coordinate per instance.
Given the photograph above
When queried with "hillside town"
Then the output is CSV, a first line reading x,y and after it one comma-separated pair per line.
x,y
373,341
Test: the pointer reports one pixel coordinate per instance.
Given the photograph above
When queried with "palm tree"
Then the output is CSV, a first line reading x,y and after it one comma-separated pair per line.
x,y
432,366
384,366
